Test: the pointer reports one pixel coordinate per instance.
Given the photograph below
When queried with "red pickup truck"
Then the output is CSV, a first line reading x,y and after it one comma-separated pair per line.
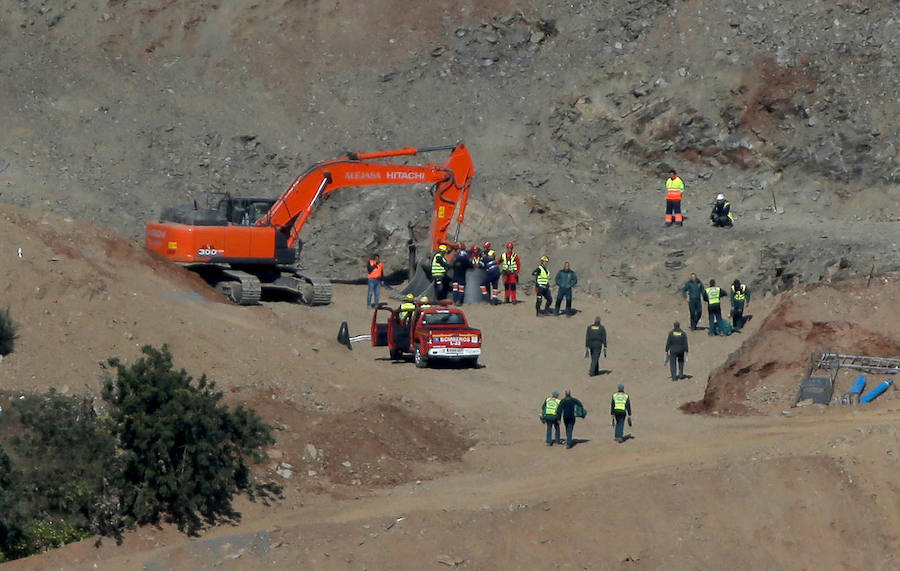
x,y
431,332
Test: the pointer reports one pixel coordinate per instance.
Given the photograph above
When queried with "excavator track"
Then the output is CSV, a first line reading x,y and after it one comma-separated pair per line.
x,y
316,290
242,288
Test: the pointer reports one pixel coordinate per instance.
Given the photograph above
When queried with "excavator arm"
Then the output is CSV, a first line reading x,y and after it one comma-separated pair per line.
x,y
452,181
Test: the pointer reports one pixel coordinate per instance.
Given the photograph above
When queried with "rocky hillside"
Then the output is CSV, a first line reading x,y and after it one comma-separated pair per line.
x,y
573,112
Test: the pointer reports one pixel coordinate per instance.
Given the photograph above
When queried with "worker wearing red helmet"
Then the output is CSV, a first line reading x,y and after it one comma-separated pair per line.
x,y
509,266
475,255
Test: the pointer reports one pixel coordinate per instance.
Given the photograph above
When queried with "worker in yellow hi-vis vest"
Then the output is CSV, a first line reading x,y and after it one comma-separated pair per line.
x,y
674,192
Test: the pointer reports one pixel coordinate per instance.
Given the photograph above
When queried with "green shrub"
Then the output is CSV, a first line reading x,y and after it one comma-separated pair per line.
x,y
42,535
11,517
68,454
184,455
8,329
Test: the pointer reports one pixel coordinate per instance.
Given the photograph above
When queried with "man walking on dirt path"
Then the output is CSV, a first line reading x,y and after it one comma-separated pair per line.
x,y
594,342
567,410
740,296
542,287
674,192
713,297
375,270
565,281
619,408
676,350
550,416
693,293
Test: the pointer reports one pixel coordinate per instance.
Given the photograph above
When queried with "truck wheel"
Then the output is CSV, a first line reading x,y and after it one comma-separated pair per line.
x,y
472,362
421,360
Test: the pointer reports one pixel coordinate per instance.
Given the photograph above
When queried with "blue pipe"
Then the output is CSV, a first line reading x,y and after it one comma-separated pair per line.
x,y
873,394
859,386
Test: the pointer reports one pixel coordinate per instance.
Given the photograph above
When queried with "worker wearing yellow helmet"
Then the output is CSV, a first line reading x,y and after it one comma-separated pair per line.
x,y
408,307
439,267
542,287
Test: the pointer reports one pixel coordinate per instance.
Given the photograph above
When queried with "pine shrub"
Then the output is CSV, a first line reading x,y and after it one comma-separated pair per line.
x,y
8,329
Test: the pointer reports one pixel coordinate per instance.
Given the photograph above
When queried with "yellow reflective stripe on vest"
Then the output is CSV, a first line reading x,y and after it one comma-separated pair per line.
x,y
550,406
713,294
620,399
508,264
543,278
674,188
436,268
739,295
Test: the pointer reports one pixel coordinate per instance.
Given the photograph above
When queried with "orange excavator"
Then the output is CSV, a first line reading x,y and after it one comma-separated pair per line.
x,y
247,246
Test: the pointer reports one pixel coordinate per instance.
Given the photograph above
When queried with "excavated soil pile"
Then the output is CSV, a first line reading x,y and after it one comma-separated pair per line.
x,y
850,318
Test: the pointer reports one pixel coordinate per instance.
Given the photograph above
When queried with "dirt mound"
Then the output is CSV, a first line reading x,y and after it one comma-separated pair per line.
x,y
847,318
345,453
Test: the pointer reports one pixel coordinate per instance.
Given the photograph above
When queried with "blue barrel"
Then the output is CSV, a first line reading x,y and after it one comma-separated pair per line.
x,y
859,386
873,394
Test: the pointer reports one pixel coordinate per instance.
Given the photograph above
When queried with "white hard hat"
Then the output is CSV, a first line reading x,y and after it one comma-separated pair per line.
x,y
720,197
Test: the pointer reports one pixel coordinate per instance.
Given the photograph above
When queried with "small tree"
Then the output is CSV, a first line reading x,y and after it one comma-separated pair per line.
x,y
68,454
11,519
8,329
185,455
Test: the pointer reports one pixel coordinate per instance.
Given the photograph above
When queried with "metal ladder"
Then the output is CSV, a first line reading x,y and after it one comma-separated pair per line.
x,y
885,365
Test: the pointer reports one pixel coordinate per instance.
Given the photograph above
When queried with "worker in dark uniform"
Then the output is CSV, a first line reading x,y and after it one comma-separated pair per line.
x,y
491,283
721,213
713,298
567,411
676,350
566,279
740,298
542,287
462,261
595,341
619,408
550,416
693,293
439,267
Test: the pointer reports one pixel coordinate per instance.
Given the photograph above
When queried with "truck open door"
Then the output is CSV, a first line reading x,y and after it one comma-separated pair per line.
x,y
381,318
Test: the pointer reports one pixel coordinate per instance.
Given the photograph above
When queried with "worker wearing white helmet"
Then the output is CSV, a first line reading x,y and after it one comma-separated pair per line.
x,y
721,213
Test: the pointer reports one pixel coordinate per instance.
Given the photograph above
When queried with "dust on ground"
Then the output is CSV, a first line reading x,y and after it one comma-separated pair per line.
x,y
384,464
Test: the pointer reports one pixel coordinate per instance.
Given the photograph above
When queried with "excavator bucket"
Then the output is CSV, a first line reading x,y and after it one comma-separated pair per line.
x,y
419,285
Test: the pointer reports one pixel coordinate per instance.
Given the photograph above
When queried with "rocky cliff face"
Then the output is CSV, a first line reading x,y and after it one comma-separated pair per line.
x,y
574,112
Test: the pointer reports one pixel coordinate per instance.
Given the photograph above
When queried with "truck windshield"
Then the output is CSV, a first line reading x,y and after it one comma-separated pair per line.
x,y
442,318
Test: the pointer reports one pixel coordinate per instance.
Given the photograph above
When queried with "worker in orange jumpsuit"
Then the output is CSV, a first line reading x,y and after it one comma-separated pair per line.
x,y
509,267
674,191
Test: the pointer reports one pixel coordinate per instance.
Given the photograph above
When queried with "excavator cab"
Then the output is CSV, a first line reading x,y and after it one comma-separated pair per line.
x,y
244,211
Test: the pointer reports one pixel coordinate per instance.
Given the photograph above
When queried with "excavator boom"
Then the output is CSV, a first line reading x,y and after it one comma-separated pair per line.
x,y
452,179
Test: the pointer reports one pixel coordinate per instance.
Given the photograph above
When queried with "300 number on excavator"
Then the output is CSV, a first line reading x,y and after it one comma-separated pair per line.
x,y
247,246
